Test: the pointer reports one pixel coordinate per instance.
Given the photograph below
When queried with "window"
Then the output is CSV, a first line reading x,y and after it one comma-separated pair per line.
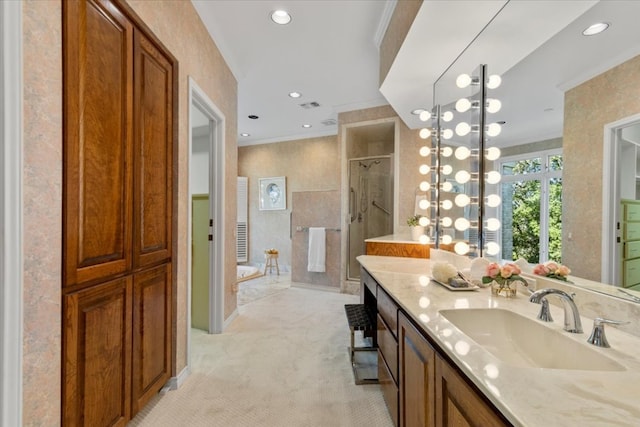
x,y
531,210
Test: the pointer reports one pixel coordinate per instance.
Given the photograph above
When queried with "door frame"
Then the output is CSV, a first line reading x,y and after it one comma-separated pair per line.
x,y
217,124
611,199
11,215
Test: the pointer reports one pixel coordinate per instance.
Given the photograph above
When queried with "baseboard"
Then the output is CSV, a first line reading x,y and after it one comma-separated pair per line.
x,y
175,383
230,319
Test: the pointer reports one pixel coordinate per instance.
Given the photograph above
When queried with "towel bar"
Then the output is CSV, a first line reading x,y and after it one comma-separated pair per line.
x,y
298,228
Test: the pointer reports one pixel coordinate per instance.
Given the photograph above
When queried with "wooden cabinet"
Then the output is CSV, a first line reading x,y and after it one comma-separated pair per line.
x,y
387,333
417,376
118,198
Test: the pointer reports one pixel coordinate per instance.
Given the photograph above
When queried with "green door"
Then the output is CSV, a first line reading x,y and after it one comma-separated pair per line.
x,y
200,262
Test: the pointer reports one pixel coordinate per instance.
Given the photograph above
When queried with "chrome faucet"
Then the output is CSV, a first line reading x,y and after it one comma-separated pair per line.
x,y
571,316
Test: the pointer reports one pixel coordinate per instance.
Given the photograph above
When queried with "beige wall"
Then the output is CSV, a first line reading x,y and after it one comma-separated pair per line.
x,y
403,15
178,26
604,99
308,165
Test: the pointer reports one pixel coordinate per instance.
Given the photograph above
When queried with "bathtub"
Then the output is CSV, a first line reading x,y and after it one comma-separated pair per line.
x,y
246,271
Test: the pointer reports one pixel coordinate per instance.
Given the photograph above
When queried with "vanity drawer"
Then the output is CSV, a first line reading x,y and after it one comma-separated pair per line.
x,y
389,389
631,230
631,272
632,249
388,310
388,347
631,212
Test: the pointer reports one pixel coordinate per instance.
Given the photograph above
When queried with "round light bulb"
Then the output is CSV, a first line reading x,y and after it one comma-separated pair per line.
x,y
493,105
462,177
446,151
493,153
493,200
462,224
462,153
424,221
463,81
462,105
446,239
423,239
493,177
461,248
493,248
494,81
447,169
463,129
425,169
425,133
493,224
462,200
425,151
446,221
424,204
425,186
425,115
447,204
447,116
447,134
494,129
446,186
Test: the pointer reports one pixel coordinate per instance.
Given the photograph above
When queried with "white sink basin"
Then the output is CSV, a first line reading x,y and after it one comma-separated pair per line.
x,y
520,341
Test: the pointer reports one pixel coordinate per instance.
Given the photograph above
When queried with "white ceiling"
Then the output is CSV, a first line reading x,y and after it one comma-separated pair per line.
x,y
329,53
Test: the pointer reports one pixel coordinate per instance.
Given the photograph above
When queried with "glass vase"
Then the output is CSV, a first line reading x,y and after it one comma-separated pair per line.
x,y
505,289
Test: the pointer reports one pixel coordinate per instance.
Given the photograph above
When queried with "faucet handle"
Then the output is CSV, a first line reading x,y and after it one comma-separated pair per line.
x,y
545,313
597,337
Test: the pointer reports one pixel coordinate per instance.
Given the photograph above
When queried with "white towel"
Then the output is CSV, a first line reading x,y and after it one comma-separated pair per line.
x,y
317,249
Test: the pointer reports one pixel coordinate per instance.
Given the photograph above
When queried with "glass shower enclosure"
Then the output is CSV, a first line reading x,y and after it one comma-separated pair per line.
x,y
370,205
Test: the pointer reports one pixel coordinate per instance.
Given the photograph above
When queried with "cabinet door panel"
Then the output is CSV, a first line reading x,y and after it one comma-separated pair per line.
x,y
457,404
153,153
96,355
416,376
151,333
97,141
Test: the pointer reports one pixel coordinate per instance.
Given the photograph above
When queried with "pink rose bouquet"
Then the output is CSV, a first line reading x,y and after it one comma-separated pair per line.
x,y
552,270
502,274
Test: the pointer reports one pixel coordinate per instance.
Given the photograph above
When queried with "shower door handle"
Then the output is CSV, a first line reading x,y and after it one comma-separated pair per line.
x,y
352,201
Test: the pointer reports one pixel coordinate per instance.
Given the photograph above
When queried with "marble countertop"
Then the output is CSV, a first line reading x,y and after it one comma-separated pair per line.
x,y
526,396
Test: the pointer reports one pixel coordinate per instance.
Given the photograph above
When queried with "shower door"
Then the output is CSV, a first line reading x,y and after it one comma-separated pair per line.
x,y
370,205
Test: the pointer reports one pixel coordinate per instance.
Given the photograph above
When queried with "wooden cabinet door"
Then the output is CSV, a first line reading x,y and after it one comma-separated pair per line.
x,y
416,376
151,333
97,355
457,404
97,196
153,182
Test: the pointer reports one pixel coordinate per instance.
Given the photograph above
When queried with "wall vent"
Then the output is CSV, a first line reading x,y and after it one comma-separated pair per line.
x,y
310,105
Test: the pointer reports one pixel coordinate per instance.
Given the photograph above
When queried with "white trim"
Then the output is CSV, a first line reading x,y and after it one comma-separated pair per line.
x,y
610,198
11,257
230,319
175,383
217,202
383,24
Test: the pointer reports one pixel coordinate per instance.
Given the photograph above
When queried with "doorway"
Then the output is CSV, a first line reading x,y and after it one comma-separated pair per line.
x,y
206,177
621,176
11,339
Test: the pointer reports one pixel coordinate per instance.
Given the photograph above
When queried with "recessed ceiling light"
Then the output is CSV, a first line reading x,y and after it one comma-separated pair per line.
x,y
253,117
306,126
280,17
245,134
596,28
295,94
417,111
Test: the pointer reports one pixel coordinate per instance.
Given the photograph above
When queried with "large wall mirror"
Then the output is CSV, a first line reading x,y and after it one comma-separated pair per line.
x,y
570,135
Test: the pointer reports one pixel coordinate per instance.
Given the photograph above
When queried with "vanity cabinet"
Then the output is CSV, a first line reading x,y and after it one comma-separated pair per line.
x,y
630,241
420,386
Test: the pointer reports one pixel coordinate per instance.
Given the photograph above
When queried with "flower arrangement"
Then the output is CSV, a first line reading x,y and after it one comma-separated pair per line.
x,y
503,278
414,221
552,270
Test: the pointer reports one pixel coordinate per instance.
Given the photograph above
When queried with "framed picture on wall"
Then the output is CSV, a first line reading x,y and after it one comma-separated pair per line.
x,y
273,193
